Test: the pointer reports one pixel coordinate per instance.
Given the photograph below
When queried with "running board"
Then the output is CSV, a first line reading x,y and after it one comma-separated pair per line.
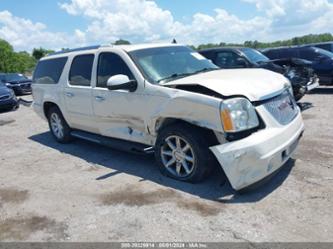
x,y
114,143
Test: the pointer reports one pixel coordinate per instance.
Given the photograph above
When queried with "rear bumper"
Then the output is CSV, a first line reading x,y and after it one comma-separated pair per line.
x,y
39,110
249,160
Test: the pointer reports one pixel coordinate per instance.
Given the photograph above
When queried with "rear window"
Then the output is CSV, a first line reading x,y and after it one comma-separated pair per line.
x,y
49,71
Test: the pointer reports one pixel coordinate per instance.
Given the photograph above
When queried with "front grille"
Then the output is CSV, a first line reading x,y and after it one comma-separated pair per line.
x,y
4,97
282,107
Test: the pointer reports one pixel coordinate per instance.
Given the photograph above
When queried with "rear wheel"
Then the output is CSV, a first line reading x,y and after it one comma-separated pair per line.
x,y
182,152
58,125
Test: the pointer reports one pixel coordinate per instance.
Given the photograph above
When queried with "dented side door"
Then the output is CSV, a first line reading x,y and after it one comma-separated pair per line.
x,y
116,112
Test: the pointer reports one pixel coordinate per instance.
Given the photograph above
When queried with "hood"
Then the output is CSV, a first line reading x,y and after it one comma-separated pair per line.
x,y
255,84
20,81
4,90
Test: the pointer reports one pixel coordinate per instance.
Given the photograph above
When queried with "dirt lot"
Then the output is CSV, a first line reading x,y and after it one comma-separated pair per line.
x,y
85,192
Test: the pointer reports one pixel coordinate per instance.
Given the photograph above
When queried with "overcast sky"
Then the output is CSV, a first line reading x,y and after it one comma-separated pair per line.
x,y
58,24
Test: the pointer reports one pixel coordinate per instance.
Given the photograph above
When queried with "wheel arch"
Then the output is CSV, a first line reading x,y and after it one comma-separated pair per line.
x,y
47,106
162,123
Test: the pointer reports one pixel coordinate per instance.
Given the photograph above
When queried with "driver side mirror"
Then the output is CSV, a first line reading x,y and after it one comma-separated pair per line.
x,y
121,82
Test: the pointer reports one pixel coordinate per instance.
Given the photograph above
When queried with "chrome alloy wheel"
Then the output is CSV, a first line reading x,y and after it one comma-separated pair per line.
x,y
56,125
178,156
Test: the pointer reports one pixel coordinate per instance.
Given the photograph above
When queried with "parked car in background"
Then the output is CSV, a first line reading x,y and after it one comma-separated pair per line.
x,y
323,45
322,60
8,100
18,82
298,71
170,100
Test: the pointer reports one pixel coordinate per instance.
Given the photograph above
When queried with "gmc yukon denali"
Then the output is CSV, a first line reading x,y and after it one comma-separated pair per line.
x,y
170,100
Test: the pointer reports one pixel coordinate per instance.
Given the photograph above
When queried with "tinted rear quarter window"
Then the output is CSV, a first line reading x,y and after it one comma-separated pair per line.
x,y
81,70
49,71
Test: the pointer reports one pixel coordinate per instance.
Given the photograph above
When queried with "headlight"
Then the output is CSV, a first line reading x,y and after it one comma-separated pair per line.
x,y
8,84
12,93
289,87
238,114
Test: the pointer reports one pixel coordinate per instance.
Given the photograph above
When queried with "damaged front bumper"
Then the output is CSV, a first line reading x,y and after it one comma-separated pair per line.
x,y
312,84
249,160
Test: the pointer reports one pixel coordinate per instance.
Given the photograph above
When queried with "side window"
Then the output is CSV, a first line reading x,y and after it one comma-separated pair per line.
x,y
226,59
81,69
110,64
49,71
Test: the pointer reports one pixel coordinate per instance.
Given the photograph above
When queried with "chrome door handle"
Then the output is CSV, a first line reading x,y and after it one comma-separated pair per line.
x,y
70,95
99,98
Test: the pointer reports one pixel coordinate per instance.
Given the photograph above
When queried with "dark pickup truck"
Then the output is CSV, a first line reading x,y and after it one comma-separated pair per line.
x,y
298,71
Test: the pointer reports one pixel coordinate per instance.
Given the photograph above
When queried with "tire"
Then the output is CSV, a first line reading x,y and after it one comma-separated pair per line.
x,y
190,148
298,96
58,126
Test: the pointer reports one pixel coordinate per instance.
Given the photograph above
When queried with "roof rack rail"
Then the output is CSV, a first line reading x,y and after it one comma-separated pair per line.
x,y
76,49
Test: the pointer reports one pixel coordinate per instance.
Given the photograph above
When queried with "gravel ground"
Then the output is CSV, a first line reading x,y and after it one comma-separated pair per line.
x,y
85,192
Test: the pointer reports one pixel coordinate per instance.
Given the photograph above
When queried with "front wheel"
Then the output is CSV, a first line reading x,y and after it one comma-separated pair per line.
x,y
58,126
182,152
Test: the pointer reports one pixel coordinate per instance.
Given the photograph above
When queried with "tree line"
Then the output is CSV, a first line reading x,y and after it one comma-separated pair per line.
x,y
307,39
19,62
24,62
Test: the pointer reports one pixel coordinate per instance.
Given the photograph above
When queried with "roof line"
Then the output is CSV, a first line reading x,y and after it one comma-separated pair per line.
x,y
77,49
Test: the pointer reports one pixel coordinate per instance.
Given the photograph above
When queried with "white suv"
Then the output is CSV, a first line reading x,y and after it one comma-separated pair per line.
x,y
171,100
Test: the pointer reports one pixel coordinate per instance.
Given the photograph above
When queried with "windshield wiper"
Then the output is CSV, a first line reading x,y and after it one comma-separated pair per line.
x,y
181,75
174,76
206,69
